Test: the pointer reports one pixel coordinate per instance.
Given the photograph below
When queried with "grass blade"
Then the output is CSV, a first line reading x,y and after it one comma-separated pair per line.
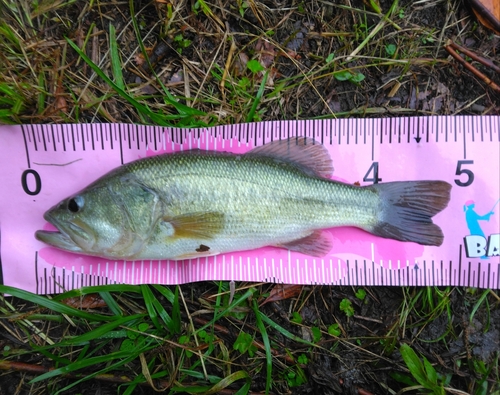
x,y
116,64
284,332
267,345
81,365
111,302
117,288
166,292
173,323
414,364
157,118
149,300
103,330
260,92
227,381
53,305
176,312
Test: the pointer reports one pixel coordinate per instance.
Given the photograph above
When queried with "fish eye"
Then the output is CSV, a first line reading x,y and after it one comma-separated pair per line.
x,y
75,204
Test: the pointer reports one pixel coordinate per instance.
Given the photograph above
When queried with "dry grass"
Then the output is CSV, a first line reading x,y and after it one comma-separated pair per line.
x,y
318,59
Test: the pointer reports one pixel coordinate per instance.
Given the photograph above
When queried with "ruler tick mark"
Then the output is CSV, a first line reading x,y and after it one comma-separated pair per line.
x,y
73,137
92,139
83,140
53,138
26,146
129,137
44,141
364,131
102,136
34,138
120,139
111,139
373,141
427,131
464,133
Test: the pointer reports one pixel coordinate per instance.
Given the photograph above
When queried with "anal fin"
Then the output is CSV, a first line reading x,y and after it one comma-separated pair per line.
x,y
318,243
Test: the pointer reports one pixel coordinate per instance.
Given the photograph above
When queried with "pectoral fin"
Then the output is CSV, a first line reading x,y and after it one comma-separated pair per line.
x,y
205,225
318,243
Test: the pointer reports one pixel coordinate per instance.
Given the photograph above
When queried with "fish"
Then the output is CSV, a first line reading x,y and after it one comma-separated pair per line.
x,y
199,203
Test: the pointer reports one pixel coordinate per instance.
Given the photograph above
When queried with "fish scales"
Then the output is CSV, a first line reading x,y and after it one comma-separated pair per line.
x,y
246,187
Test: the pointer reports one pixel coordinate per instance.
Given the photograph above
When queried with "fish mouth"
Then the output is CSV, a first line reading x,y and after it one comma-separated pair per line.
x,y
60,238
57,239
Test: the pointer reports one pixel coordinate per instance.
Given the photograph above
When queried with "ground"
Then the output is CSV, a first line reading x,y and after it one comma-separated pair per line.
x,y
196,63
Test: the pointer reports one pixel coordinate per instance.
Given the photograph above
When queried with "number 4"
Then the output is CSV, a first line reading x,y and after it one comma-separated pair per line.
x,y
373,169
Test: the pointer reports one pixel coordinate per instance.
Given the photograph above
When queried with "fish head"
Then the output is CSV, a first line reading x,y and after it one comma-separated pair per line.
x,y
91,222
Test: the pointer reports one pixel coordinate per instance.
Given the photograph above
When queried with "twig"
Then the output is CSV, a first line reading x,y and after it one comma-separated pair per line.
x,y
110,378
474,56
451,49
232,50
39,369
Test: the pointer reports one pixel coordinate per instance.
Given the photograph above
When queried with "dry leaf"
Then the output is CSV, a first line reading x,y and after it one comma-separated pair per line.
x,y
90,301
283,291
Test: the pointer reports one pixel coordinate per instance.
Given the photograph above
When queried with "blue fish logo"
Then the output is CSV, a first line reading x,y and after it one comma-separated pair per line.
x,y
476,244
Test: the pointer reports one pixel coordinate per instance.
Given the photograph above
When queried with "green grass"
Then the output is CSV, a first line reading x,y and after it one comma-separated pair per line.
x,y
134,328
160,337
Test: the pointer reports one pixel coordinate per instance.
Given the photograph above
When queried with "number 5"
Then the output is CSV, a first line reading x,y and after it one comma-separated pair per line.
x,y
469,173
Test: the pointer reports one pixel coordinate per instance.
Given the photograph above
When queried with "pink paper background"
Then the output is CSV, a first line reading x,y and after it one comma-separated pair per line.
x,y
68,157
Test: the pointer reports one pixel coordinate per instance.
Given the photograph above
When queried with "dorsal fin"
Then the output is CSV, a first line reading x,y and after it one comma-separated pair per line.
x,y
310,157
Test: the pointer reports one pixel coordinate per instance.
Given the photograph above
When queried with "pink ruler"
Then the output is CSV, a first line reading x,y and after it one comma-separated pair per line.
x,y
42,164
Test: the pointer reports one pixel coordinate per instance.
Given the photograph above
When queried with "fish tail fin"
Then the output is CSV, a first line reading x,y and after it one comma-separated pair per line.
x,y
407,208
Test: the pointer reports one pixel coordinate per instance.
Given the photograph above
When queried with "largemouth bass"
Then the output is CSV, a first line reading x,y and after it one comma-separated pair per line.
x,y
198,203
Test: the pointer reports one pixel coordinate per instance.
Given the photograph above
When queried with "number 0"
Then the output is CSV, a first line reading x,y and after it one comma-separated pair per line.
x,y
459,171
38,182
